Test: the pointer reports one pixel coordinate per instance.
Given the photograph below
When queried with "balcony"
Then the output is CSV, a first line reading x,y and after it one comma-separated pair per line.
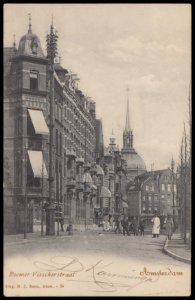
x,y
87,167
71,153
87,190
71,183
79,186
80,160
35,191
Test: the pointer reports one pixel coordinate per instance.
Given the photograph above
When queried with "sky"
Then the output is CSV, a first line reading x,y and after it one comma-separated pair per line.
x,y
145,47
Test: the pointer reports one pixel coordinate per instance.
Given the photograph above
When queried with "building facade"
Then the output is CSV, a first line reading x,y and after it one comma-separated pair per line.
x,y
115,169
152,193
26,142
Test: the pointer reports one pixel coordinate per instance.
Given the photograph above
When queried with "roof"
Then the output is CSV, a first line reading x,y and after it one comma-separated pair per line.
x,y
145,175
140,179
58,67
134,160
28,43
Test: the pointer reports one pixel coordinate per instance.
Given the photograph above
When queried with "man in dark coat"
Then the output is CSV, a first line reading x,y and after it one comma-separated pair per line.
x,y
141,227
125,226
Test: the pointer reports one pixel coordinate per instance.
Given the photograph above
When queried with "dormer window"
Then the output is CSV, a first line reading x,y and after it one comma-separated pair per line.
x,y
34,80
34,46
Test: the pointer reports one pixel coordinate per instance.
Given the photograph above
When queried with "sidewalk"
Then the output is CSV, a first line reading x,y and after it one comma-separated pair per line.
x,y
15,239
177,249
18,239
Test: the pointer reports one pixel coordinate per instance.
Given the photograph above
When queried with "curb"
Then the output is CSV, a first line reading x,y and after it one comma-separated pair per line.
x,y
173,255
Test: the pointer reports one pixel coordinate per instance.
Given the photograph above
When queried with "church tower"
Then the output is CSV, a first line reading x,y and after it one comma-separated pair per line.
x,y
135,164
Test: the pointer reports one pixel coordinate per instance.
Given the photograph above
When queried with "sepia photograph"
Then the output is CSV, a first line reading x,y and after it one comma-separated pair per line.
x,y
97,150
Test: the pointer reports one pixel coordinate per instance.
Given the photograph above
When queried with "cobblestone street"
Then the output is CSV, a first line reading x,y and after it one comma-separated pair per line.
x,y
122,265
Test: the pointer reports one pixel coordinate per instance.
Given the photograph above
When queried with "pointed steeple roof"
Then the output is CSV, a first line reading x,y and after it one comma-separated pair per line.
x,y
127,124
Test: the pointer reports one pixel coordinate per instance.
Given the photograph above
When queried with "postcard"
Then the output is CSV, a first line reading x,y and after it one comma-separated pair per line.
x,y
97,150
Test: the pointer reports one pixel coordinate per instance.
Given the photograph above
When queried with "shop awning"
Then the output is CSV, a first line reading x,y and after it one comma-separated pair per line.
x,y
38,121
37,164
105,192
125,205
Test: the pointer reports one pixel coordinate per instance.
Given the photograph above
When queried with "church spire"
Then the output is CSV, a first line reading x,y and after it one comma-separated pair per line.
x,y
127,125
14,43
112,138
128,133
29,25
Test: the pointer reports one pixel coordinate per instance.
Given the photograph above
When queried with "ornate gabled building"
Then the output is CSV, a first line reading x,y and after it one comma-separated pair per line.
x,y
135,164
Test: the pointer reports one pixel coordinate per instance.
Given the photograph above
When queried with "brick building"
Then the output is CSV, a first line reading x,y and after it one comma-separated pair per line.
x,y
152,192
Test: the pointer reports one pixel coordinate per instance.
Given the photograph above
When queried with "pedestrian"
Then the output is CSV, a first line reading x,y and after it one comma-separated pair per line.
x,y
156,226
111,223
141,227
117,226
131,230
125,226
169,226
62,222
135,227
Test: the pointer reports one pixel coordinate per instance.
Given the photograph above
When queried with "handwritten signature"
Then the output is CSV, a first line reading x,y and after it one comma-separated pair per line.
x,y
106,281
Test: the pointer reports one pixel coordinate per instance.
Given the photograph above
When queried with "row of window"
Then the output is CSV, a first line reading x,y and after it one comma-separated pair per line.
x,y
79,147
150,187
155,197
164,187
149,209
150,197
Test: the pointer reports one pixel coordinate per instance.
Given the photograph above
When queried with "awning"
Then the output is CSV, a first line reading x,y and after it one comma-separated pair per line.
x,y
105,193
94,187
38,121
37,164
99,170
125,205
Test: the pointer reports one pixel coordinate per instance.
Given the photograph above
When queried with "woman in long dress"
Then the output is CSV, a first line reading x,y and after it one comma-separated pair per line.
x,y
156,227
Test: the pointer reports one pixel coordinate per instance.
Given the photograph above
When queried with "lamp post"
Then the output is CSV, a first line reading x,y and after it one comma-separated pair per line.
x,y
87,181
51,54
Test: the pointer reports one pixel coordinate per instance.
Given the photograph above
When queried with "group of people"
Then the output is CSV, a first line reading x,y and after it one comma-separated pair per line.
x,y
124,226
169,224
127,226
